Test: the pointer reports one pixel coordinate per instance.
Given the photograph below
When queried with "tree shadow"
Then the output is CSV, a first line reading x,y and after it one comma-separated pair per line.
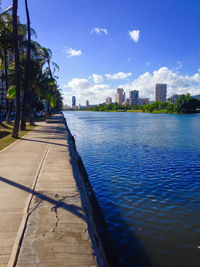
x,y
4,126
45,142
58,129
4,134
57,203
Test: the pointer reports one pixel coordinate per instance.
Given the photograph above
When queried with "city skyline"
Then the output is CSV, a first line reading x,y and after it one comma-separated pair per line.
x,y
133,97
145,83
98,51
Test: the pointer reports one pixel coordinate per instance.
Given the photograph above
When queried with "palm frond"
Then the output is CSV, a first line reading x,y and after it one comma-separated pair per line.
x,y
56,67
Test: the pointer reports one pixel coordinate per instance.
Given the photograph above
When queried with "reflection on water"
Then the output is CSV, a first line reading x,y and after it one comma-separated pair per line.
x,y
145,171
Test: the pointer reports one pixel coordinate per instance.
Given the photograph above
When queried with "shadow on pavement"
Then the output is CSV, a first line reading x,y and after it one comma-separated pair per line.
x,y
57,203
38,141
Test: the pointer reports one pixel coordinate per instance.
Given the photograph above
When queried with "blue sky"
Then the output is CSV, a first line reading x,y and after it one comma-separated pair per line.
x,y
165,44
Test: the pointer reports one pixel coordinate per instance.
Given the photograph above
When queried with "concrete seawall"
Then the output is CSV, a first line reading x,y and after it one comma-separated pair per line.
x,y
99,233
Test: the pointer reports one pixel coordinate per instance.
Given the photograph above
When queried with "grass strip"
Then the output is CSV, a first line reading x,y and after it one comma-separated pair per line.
x,y
6,132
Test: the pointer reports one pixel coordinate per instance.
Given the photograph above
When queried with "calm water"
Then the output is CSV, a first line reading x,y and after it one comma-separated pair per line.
x,y
145,171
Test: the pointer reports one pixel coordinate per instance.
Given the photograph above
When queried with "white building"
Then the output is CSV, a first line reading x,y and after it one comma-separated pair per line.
x,y
120,96
108,100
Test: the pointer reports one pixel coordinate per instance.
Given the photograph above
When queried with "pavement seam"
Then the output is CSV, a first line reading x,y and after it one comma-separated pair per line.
x,y
20,235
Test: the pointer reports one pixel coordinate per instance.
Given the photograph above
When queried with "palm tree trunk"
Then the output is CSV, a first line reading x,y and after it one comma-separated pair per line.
x,y
8,113
17,70
2,93
31,120
25,96
6,84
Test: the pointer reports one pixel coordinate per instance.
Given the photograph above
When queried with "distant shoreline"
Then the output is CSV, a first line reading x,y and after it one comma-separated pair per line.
x,y
137,111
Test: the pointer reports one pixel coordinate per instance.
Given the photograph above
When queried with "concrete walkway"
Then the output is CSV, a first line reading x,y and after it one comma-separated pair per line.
x,y
47,227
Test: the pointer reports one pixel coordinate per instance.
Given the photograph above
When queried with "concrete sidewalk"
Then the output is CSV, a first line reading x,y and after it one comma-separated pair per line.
x,y
47,228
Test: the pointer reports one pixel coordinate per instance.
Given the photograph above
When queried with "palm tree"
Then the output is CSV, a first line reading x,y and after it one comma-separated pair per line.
x,y
46,54
17,70
23,121
6,45
36,80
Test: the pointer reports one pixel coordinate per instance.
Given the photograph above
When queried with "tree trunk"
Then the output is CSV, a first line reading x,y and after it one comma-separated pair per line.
x,y
17,70
31,120
2,94
6,84
8,115
25,96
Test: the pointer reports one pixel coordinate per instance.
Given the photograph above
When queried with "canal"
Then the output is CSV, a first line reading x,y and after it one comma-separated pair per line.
x,y
145,171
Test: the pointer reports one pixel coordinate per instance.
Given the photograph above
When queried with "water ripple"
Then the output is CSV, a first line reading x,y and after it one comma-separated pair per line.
x,y
145,171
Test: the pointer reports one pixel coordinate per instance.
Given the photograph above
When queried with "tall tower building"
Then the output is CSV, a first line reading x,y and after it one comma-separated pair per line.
x,y
87,103
133,97
73,101
160,92
120,96
108,100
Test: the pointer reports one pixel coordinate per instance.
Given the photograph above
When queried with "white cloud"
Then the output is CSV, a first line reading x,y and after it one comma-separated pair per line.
x,y
97,78
134,35
145,83
176,84
79,84
71,52
84,90
118,76
98,31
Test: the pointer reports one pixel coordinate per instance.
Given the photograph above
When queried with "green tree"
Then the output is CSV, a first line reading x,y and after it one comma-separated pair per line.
x,y
186,104
170,108
162,105
95,108
115,107
25,93
17,70
6,47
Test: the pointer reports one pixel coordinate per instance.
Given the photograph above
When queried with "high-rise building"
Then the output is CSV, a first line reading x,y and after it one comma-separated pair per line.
x,y
175,97
133,97
73,101
108,100
160,92
87,103
143,101
126,102
120,96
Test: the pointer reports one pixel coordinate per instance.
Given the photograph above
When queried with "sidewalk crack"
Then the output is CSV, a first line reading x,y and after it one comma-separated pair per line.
x,y
59,204
54,209
33,209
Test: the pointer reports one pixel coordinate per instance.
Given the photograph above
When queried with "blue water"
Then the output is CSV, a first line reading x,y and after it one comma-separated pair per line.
x,y
145,171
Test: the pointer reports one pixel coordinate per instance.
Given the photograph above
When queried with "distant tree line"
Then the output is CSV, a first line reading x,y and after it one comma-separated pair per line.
x,y
184,104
